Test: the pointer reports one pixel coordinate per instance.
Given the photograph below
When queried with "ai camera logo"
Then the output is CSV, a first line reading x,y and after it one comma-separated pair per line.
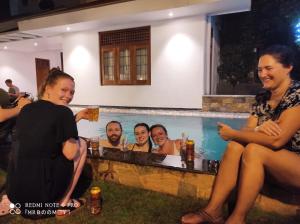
x,y
15,209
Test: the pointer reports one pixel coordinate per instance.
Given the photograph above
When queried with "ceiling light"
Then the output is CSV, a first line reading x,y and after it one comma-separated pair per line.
x,y
5,47
170,14
68,28
35,44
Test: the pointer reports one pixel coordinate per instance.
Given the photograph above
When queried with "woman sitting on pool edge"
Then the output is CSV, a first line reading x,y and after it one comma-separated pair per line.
x,y
160,137
268,147
142,136
48,156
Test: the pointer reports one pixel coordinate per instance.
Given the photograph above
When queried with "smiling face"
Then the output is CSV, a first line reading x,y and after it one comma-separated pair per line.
x,y
141,135
271,72
61,93
114,133
159,136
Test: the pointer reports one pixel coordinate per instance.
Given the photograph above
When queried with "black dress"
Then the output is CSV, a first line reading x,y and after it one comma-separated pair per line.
x,y
38,171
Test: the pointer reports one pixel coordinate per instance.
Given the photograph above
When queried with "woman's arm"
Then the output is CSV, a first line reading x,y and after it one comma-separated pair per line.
x,y
6,114
251,123
288,123
83,114
71,148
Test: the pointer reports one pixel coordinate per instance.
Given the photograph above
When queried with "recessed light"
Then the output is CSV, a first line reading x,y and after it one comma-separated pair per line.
x,y
5,47
171,14
68,28
35,44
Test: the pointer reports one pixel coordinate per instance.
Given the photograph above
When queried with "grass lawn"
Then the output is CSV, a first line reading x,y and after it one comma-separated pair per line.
x,y
128,205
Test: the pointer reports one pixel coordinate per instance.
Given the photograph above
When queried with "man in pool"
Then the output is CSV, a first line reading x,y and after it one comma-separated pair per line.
x,y
113,133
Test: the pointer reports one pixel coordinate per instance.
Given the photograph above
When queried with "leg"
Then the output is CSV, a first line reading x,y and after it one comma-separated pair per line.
x,y
4,205
224,183
78,166
256,161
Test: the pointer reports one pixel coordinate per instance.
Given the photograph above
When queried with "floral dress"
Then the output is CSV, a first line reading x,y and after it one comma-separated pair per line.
x,y
262,110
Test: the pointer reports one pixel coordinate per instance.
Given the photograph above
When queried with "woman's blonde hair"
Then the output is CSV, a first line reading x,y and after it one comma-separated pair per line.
x,y
54,75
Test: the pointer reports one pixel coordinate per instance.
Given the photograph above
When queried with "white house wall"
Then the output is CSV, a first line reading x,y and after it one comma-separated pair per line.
x,y
20,67
177,68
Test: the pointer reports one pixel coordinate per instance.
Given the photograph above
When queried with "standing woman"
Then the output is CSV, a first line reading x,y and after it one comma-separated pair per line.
x,y
268,147
48,156
142,136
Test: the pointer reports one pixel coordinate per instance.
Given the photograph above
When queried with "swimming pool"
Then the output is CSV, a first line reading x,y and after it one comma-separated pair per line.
x,y
203,130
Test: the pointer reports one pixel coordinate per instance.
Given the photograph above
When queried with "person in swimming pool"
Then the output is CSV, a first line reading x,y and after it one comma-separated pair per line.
x,y
142,136
113,133
159,135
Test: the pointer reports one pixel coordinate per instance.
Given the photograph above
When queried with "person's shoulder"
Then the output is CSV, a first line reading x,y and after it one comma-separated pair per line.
x,y
64,110
296,84
294,89
51,106
130,146
104,143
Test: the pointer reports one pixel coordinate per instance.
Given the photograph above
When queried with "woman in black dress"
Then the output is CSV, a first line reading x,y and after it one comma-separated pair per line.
x,y
48,156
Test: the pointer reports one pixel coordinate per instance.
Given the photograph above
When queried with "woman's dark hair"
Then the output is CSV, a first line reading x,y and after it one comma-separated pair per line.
x,y
148,129
54,75
283,54
159,126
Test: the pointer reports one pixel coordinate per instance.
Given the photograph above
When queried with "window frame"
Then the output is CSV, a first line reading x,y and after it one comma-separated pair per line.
x,y
116,48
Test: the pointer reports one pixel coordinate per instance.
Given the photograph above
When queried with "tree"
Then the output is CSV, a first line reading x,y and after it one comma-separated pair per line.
x,y
244,35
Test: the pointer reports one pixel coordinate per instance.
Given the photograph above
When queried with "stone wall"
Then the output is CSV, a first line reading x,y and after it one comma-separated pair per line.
x,y
172,182
227,103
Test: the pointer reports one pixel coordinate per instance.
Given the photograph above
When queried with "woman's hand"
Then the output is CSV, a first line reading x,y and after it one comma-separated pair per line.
x,y
269,127
22,102
225,131
83,114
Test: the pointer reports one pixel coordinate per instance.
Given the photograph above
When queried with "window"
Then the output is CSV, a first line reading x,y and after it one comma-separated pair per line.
x,y
125,57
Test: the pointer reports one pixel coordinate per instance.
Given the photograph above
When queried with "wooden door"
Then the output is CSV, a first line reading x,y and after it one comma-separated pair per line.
x,y
42,69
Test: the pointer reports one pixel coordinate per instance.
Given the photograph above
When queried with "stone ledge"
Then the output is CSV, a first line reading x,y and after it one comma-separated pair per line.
x,y
223,103
173,182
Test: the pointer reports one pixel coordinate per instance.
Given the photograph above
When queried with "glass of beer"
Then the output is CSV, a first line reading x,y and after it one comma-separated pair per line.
x,y
94,146
94,143
93,113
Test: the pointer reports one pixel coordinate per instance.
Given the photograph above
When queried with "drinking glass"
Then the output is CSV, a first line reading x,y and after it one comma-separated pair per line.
x,y
94,143
93,113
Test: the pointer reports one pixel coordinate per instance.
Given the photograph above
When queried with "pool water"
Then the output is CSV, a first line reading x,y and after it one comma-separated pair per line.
x,y
202,130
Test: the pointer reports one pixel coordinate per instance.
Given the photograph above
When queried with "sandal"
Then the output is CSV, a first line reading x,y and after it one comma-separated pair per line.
x,y
72,206
4,206
204,216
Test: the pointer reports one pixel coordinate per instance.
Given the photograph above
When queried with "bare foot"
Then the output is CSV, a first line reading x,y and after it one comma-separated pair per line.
x,y
201,217
4,205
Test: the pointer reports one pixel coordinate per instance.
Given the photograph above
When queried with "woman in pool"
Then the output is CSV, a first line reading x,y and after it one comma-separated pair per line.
x,y
142,136
268,147
48,156
160,137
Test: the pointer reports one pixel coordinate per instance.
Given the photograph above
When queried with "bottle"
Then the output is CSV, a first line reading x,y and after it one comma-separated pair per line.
x,y
95,200
190,151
